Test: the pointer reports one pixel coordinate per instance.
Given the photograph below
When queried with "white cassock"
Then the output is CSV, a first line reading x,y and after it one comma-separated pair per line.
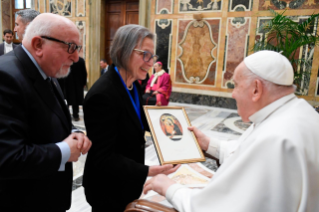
x,y
273,167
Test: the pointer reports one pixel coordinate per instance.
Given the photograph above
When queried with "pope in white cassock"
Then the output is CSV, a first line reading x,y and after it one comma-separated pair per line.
x,y
274,166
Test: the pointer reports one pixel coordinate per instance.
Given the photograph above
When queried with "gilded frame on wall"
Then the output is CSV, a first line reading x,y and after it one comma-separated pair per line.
x,y
174,143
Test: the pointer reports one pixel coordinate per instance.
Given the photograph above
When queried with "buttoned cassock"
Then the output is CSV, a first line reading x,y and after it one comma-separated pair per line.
x,y
274,166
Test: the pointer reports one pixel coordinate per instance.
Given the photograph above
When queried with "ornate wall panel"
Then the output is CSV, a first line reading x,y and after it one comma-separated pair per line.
x,y
197,51
82,29
164,41
288,4
209,38
190,6
236,48
80,7
164,6
61,7
240,5
6,15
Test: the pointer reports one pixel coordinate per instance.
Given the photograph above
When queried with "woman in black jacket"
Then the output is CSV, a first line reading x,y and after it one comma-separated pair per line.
x,y
114,172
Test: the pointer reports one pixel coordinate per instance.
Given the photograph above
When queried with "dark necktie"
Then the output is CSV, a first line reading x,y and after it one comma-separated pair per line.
x,y
54,90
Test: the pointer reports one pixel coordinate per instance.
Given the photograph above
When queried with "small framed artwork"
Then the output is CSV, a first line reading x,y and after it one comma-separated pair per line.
x,y
174,143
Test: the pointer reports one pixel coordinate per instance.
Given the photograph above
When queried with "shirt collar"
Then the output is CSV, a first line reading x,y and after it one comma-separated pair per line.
x,y
35,63
7,44
263,113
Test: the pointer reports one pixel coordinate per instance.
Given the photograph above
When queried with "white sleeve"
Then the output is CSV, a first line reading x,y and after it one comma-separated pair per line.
x,y
221,149
265,177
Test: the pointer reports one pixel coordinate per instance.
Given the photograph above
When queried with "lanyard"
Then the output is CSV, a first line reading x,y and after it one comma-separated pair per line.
x,y
136,103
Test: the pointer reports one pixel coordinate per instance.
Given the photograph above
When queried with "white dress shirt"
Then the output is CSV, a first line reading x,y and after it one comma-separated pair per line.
x,y
7,47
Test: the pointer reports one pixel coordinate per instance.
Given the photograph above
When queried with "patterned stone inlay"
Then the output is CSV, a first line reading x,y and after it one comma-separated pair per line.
x,y
197,56
199,5
81,25
237,38
166,5
163,30
6,15
80,9
245,5
61,7
288,4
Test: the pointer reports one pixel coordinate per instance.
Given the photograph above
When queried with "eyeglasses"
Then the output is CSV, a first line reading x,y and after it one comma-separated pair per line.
x,y
147,56
72,46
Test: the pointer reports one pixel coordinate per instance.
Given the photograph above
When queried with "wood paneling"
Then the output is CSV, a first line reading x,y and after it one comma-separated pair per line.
x,y
119,13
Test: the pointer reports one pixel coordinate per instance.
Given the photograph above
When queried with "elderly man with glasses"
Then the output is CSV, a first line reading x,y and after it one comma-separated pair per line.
x,y
37,144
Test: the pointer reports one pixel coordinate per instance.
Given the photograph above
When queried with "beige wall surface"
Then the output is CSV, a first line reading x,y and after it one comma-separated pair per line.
x,y
201,55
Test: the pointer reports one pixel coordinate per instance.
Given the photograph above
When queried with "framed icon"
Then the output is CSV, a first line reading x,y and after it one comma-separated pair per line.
x,y
174,143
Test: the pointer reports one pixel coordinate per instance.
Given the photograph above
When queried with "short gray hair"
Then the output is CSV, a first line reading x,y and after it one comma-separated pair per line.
x,y
125,40
27,15
270,86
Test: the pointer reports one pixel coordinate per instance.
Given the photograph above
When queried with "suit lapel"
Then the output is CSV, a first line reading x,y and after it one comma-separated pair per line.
x,y
2,49
42,87
125,98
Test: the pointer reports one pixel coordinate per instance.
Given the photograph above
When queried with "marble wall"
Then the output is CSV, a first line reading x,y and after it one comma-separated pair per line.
x,y
205,40
6,15
75,10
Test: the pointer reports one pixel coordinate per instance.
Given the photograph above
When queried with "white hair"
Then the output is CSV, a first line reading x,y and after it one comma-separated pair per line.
x,y
41,27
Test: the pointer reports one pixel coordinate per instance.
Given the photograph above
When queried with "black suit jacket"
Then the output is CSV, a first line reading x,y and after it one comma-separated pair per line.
x,y
2,48
114,171
31,122
73,84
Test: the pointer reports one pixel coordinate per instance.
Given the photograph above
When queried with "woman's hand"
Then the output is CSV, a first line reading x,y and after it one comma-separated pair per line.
x,y
202,139
165,169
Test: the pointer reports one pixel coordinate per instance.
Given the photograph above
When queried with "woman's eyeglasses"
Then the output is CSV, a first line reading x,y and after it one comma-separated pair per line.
x,y
147,56
72,46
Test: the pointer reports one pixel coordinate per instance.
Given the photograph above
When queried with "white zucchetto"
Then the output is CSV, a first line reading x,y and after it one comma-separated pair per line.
x,y
271,66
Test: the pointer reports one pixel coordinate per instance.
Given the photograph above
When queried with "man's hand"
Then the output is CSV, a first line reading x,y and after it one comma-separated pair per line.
x,y
165,169
202,139
159,184
147,91
75,151
78,143
84,143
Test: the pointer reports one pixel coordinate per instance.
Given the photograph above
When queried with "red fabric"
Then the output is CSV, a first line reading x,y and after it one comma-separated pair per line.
x,y
163,86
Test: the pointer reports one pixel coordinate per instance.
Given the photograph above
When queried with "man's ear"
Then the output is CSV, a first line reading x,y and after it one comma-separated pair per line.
x,y
257,90
37,46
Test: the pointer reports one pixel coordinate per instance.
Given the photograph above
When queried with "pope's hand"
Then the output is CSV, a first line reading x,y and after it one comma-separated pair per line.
x,y
159,184
202,139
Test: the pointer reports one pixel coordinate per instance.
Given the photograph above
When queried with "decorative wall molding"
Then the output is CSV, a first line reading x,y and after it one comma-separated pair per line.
x,y
61,7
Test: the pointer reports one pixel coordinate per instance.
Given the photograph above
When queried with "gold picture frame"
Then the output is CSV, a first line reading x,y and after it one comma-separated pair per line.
x,y
174,143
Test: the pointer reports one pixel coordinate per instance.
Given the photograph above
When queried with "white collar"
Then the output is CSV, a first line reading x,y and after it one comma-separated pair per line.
x,y
7,44
263,113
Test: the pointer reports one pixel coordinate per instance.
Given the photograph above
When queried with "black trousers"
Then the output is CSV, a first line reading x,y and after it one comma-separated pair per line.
x,y
75,109
149,99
